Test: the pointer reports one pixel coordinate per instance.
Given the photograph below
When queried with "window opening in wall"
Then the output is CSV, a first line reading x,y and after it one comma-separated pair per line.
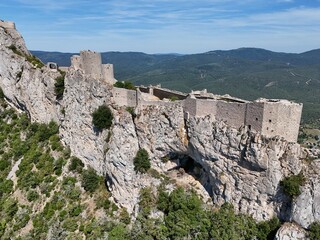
x,y
249,126
256,119
269,120
267,128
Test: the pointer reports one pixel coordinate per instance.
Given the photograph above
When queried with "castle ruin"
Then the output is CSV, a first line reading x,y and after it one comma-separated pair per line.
x,y
270,117
90,62
7,25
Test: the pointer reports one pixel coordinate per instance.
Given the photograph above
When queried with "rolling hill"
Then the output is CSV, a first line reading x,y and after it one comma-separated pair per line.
x,y
247,73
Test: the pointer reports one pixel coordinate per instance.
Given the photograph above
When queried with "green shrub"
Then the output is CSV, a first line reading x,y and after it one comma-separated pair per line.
x,y
58,164
124,216
119,232
227,225
131,111
43,131
76,165
141,161
15,50
34,61
30,58
102,118
268,229
173,98
75,211
1,94
32,195
70,225
314,231
147,201
104,203
10,207
59,86
291,185
90,180
125,84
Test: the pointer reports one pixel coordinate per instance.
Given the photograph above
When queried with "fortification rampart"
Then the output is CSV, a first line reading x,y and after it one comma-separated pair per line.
x,y
7,25
233,113
124,97
269,117
163,93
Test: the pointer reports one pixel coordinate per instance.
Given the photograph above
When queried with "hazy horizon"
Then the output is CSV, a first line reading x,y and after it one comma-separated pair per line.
x,y
162,26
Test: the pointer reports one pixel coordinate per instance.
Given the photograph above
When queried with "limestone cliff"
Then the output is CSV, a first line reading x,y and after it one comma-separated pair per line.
x,y
235,165
25,85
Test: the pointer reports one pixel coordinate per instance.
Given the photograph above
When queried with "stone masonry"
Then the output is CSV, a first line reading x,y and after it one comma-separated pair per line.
x,y
90,62
270,117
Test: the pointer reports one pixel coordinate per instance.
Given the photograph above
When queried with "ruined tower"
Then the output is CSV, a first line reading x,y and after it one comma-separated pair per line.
x,y
91,64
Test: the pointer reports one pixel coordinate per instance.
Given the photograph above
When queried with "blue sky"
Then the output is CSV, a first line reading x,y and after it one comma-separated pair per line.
x,y
165,26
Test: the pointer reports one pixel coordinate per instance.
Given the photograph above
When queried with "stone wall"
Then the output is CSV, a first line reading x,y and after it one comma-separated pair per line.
x,y
254,116
76,62
124,97
281,118
7,25
270,117
107,72
166,93
233,113
91,64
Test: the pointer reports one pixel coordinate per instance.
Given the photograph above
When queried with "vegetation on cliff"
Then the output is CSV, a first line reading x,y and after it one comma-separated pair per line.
x,y
45,193
124,84
141,161
291,185
102,117
59,86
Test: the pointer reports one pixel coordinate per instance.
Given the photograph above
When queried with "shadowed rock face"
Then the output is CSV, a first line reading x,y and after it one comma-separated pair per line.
x,y
236,165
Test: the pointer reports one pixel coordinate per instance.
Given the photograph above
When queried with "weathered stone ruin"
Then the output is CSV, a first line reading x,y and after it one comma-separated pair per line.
x,y
270,117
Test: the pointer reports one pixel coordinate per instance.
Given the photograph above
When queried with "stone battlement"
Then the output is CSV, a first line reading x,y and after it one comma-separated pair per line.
x,y
7,25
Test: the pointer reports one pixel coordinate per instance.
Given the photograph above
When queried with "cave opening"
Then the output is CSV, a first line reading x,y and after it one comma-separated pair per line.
x,y
186,164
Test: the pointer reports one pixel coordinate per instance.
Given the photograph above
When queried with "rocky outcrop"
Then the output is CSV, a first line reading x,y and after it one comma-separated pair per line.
x,y
290,231
81,97
306,207
27,87
245,168
161,129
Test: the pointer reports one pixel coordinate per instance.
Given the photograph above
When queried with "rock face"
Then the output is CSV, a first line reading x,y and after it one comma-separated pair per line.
x,y
306,207
82,96
26,86
245,169
237,165
290,231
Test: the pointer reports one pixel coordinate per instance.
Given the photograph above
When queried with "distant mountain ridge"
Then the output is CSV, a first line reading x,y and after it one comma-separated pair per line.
x,y
248,73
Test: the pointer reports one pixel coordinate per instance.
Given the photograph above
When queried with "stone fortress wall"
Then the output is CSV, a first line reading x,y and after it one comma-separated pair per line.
x,y
269,117
90,62
7,25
